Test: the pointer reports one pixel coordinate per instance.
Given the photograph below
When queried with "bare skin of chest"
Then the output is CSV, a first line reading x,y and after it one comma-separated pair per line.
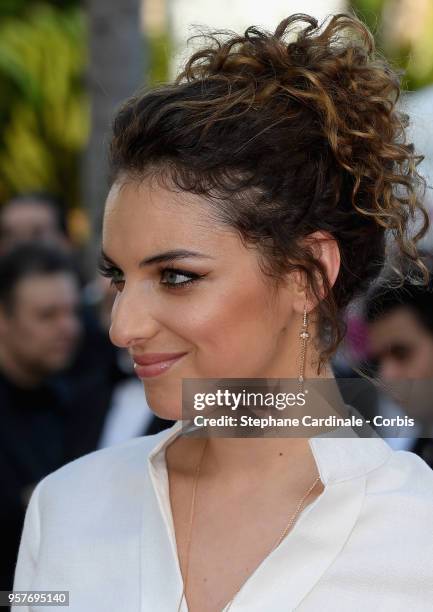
x,y
235,527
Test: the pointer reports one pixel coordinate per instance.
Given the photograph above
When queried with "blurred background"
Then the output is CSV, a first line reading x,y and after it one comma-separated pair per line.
x,y
65,66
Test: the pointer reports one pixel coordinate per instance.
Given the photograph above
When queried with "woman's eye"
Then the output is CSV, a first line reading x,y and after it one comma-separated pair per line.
x,y
177,278
170,277
114,274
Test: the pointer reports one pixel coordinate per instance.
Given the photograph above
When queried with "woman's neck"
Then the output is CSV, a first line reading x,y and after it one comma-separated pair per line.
x,y
234,459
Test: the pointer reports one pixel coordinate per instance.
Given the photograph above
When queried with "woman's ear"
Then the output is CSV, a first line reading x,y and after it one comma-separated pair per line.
x,y
326,250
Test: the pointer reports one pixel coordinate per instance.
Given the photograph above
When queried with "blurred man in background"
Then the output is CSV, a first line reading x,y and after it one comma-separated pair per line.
x,y
35,217
99,369
400,328
97,366
39,333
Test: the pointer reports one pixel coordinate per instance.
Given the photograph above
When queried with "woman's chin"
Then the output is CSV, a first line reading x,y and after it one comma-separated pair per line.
x,y
163,411
164,403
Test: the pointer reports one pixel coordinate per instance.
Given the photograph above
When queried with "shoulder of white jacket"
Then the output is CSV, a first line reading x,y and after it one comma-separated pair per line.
x,y
410,474
415,462
131,454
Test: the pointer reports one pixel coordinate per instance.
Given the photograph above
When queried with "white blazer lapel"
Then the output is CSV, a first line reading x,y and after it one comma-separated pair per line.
x,y
161,579
288,574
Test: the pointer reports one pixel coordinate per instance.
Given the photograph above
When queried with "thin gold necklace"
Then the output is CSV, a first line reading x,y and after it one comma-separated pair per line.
x,y
277,543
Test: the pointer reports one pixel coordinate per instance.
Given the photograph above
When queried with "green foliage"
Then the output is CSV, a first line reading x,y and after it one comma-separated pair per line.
x,y
369,12
17,8
404,34
160,52
44,112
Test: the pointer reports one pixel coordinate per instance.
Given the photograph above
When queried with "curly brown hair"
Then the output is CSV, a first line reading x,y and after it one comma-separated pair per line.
x,y
285,134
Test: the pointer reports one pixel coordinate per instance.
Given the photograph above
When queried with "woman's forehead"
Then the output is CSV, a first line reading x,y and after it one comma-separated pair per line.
x,y
153,219
154,203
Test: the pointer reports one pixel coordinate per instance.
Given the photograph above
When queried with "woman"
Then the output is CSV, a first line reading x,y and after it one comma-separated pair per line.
x,y
250,202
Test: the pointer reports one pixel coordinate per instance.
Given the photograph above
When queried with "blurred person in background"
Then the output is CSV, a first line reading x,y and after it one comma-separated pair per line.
x,y
400,346
39,333
99,369
35,216
39,218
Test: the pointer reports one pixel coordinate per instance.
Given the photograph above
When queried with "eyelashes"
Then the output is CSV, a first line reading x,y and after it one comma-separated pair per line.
x,y
110,272
116,276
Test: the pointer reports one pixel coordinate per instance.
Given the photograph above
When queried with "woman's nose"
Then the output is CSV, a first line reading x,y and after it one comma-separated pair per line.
x,y
131,320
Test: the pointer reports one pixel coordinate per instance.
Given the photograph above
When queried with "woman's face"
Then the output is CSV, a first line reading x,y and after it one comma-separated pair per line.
x,y
215,305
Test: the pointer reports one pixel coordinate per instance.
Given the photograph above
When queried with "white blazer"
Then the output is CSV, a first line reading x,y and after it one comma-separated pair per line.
x,y
101,528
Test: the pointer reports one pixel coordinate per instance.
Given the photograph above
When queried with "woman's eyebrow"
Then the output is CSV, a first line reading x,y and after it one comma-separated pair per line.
x,y
172,256
167,256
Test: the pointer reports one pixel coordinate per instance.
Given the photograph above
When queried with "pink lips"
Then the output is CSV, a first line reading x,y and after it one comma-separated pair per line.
x,y
153,364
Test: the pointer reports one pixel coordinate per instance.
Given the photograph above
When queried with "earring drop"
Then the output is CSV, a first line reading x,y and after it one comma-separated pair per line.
x,y
304,335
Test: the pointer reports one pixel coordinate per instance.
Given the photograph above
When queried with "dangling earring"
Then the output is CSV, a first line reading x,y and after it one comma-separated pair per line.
x,y
304,335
